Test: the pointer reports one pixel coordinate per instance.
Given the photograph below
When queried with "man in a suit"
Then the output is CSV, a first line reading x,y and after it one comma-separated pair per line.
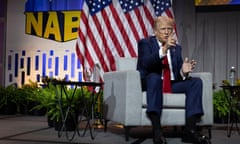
x,y
151,53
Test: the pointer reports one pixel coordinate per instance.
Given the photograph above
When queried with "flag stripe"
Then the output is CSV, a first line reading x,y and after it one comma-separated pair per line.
x,y
110,29
96,49
112,33
100,31
141,22
96,41
149,16
131,24
123,31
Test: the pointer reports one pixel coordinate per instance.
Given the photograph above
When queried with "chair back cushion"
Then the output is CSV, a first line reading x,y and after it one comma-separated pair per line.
x,y
123,64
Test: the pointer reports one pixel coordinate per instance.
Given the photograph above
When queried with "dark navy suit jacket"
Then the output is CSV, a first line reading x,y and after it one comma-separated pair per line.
x,y
150,62
150,67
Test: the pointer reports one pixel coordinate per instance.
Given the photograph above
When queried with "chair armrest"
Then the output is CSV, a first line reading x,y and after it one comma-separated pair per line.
x,y
207,100
123,97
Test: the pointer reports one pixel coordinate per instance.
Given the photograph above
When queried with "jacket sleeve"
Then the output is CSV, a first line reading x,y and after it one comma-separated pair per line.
x,y
148,55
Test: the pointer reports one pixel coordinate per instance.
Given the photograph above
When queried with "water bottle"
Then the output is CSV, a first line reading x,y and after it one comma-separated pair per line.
x,y
96,73
232,76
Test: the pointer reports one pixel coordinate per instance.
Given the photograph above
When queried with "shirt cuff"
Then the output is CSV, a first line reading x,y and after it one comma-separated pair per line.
x,y
184,76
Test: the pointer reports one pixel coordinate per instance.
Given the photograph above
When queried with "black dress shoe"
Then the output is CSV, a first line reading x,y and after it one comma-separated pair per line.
x,y
191,136
158,138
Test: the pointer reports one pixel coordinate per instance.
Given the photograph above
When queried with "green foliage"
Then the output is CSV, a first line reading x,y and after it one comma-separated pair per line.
x,y
221,103
12,95
47,98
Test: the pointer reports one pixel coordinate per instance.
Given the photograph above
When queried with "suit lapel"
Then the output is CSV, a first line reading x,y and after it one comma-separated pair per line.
x,y
155,43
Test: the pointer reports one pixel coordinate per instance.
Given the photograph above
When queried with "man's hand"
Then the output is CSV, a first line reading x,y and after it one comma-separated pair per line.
x,y
171,42
188,66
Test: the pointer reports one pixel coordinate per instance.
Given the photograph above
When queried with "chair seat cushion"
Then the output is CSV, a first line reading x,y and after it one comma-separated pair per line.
x,y
169,117
170,100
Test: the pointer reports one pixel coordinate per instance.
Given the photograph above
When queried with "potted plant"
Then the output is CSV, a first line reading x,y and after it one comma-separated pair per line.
x,y
16,100
9,102
221,103
28,94
50,101
67,101
220,106
47,100
77,104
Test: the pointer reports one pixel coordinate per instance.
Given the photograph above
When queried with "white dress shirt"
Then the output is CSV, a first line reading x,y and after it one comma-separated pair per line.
x,y
161,55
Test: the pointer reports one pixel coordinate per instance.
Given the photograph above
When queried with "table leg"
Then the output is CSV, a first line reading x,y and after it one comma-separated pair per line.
x,y
232,118
229,122
65,114
89,114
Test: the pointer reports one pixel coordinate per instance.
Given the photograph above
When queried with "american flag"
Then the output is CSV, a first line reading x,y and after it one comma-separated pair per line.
x,y
110,29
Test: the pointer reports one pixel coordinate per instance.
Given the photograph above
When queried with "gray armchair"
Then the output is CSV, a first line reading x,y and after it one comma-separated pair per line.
x,y
125,103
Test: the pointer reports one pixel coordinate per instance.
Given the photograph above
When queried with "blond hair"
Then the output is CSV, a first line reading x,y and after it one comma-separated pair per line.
x,y
163,19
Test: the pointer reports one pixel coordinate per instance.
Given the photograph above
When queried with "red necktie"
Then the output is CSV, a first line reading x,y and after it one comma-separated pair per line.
x,y
166,76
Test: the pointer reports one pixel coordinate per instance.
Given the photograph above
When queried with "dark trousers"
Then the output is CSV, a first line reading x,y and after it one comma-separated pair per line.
x,y
192,87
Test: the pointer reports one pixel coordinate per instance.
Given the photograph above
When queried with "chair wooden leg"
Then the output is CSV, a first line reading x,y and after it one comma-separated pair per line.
x,y
105,125
175,128
210,132
127,131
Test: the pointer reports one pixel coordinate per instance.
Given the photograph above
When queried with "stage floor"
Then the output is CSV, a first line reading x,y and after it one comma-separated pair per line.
x,y
22,129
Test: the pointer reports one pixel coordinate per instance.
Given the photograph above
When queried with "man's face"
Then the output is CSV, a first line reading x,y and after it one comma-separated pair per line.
x,y
163,30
